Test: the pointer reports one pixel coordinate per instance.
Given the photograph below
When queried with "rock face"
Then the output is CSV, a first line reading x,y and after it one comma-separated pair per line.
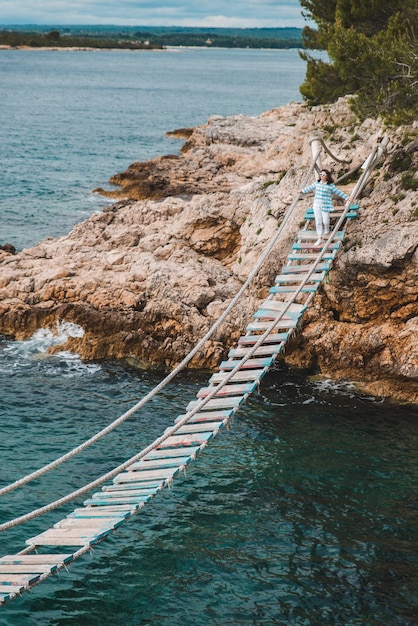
x,y
149,276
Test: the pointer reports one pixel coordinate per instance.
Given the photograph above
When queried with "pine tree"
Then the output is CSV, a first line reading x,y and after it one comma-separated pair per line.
x,y
373,55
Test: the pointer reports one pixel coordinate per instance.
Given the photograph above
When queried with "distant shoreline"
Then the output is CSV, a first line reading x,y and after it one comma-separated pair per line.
x,y
145,38
79,49
110,49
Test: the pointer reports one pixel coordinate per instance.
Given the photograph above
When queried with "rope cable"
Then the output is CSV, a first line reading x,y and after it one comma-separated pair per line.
x,y
374,156
50,466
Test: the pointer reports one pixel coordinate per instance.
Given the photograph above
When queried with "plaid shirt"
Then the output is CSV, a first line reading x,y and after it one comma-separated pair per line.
x,y
323,194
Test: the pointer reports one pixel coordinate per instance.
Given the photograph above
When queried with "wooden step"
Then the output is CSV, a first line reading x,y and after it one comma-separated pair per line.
x,y
294,289
281,324
19,579
352,213
96,523
154,475
236,353
133,486
294,310
104,511
54,560
117,498
272,339
217,403
184,441
8,591
200,428
316,277
252,363
206,416
228,390
66,537
308,246
304,268
169,453
240,375
307,256
312,235
135,477
279,309
160,463
26,569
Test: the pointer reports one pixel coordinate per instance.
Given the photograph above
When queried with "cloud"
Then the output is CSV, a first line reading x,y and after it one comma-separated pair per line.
x,y
215,13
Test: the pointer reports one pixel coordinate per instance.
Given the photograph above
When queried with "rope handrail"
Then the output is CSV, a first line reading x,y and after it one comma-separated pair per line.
x,y
78,449
318,138
369,165
169,432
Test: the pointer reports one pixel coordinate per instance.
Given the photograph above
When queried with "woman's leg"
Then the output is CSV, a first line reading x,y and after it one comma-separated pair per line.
x,y
325,221
318,219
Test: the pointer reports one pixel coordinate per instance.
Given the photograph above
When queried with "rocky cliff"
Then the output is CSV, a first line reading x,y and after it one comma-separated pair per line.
x,y
150,274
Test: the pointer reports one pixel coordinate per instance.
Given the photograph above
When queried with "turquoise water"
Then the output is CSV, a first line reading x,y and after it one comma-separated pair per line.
x,y
70,120
304,513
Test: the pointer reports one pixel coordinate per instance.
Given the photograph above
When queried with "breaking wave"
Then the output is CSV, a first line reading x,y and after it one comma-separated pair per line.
x,y
35,352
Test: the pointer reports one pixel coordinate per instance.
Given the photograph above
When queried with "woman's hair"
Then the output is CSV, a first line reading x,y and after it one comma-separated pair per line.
x,y
329,176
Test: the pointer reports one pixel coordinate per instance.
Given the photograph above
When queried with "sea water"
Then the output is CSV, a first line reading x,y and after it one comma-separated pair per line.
x,y
304,512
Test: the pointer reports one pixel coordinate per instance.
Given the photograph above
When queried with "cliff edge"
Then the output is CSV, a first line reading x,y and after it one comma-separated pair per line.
x,y
148,276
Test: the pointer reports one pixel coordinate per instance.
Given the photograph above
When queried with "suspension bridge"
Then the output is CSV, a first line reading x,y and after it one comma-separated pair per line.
x,y
126,489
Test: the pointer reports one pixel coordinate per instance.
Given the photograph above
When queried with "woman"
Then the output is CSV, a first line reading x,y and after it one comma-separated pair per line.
x,y
324,188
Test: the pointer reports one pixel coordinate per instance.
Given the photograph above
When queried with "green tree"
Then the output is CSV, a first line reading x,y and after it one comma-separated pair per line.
x,y
53,35
373,55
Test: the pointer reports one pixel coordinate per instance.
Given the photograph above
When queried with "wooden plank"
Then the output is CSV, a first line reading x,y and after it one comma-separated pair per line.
x,y
272,314
7,595
109,498
90,522
66,537
352,214
171,454
6,591
218,403
312,234
36,559
186,440
158,463
153,474
339,209
294,310
293,269
227,390
18,580
204,416
299,277
242,375
134,494
62,541
274,338
135,477
130,485
294,288
308,246
260,351
104,511
28,569
305,256
252,326
252,363
200,428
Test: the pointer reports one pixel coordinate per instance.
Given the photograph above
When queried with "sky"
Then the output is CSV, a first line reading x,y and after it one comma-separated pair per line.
x,y
200,13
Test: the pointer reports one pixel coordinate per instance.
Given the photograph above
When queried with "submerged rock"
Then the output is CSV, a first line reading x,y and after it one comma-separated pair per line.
x,y
147,277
